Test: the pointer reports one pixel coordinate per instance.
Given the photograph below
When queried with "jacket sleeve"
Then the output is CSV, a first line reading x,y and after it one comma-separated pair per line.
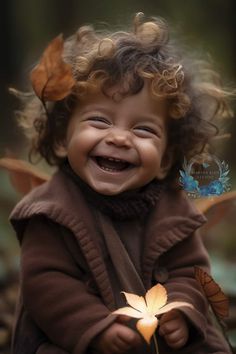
x,y
182,286
54,291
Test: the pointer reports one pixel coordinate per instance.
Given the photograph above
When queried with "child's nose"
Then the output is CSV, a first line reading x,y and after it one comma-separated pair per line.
x,y
119,137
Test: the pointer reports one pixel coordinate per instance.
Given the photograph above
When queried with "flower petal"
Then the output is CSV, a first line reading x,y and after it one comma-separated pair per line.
x,y
128,311
173,305
156,297
147,326
136,302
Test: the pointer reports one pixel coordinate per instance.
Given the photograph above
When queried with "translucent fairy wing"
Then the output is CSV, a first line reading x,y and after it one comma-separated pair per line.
x,y
206,204
216,297
216,208
24,177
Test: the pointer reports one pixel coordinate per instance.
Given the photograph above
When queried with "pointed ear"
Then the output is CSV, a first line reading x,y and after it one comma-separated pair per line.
x,y
24,177
166,164
61,150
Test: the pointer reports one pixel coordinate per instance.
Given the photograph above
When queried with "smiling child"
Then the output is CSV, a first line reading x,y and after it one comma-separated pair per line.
x,y
116,113
118,146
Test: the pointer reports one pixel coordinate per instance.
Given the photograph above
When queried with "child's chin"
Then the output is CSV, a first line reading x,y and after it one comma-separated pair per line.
x,y
108,189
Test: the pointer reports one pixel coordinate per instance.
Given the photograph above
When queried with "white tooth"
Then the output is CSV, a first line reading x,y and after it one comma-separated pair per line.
x,y
108,169
114,159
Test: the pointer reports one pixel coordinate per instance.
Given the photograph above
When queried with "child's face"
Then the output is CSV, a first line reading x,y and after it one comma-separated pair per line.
x,y
118,146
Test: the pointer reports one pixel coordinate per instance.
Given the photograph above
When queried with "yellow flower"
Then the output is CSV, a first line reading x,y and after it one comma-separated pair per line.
x,y
146,309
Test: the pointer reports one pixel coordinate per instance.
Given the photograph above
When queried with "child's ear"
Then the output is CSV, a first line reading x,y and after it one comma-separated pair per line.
x,y
61,150
166,164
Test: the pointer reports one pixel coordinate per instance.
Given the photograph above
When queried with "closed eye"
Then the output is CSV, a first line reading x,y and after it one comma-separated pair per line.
x,y
99,122
145,131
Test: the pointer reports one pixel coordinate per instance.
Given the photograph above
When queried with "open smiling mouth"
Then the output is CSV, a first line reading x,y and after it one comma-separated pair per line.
x,y
111,164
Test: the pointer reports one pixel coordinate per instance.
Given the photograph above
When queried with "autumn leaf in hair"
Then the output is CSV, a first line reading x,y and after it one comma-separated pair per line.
x,y
147,308
52,78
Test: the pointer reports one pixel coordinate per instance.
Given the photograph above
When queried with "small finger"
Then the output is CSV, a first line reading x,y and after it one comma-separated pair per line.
x,y
168,327
115,350
177,343
123,318
121,346
174,336
171,315
138,340
176,339
129,336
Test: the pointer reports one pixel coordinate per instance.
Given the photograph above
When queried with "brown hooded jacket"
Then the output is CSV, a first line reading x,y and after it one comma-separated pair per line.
x,y
67,292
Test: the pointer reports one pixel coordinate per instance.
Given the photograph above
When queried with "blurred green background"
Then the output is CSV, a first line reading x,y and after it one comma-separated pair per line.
x,y
207,27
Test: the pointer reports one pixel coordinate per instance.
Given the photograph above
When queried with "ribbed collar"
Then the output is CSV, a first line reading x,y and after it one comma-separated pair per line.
x,y
124,206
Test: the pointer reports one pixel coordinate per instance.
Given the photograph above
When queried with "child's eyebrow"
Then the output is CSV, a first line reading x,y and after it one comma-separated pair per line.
x,y
95,108
152,118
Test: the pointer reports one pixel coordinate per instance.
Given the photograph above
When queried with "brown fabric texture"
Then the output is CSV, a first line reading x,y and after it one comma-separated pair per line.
x,y
124,206
68,288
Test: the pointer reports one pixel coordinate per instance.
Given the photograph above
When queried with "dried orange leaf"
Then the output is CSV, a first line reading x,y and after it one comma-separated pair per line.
x,y
136,301
146,327
52,78
218,300
156,298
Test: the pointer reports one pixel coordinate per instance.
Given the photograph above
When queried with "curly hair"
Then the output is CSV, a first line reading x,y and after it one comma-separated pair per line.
x,y
102,60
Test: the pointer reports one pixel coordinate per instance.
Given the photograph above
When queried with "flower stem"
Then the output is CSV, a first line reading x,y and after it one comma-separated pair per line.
x,y
155,343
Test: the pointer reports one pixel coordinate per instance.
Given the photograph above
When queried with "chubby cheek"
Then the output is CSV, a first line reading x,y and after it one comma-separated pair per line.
x,y
151,155
82,144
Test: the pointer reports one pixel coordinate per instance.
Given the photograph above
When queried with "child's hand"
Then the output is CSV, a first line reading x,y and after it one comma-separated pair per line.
x,y
174,328
116,339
